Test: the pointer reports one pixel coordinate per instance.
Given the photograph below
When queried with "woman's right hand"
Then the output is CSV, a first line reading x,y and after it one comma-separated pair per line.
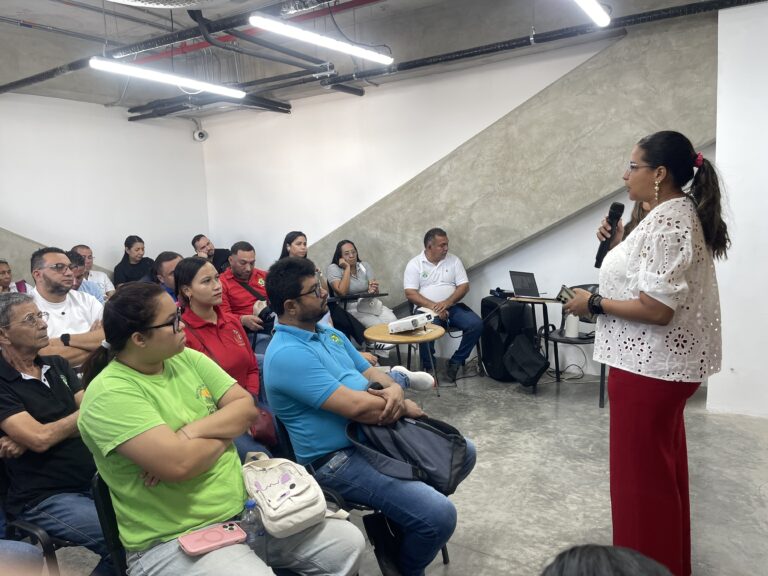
x,y
604,232
343,264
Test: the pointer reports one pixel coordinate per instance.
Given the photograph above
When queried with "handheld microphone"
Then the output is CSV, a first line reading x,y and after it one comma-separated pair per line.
x,y
614,215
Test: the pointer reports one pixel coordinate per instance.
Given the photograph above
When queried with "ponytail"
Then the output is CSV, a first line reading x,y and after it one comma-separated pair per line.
x,y
95,363
705,190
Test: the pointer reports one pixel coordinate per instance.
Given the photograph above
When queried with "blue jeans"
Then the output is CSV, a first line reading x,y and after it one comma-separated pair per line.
x,y
426,516
72,517
462,317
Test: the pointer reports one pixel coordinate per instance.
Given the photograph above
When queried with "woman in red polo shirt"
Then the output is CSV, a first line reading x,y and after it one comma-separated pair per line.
x,y
218,335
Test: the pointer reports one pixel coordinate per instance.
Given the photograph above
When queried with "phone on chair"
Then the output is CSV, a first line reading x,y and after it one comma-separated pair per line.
x,y
211,538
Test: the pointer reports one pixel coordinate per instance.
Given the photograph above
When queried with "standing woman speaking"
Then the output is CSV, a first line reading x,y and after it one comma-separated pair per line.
x,y
659,330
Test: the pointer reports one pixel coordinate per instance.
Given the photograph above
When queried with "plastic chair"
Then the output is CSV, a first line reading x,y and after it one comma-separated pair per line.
x,y
557,336
108,521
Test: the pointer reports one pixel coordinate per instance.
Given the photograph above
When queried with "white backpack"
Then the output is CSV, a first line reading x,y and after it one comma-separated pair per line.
x,y
288,497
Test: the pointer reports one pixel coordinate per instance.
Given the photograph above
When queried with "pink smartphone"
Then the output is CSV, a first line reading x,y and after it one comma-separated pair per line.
x,y
211,538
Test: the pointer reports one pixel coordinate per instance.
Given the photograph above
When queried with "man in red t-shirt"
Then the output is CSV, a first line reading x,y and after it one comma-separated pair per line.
x,y
243,285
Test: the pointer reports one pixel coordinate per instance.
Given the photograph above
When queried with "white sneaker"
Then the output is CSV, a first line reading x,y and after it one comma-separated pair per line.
x,y
416,380
381,346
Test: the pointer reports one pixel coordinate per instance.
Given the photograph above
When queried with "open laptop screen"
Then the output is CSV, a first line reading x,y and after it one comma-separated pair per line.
x,y
524,284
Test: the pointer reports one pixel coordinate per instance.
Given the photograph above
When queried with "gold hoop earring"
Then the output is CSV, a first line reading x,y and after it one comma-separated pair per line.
x,y
656,190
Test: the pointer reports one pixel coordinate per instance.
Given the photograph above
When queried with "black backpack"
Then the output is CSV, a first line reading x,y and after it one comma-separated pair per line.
x,y
523,362
413,449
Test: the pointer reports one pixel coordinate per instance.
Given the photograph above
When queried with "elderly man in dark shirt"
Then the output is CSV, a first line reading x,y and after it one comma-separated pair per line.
x,y
49,467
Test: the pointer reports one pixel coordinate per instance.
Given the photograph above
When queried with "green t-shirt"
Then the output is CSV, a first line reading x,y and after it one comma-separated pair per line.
x,y
120,404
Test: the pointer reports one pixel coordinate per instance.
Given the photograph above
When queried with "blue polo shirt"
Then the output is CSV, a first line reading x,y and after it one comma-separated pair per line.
x,y
301,370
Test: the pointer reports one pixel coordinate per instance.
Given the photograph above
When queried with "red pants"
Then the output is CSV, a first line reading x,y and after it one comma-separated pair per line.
x,y
649,468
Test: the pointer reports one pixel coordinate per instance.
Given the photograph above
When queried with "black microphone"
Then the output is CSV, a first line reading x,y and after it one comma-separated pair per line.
x,y
614,215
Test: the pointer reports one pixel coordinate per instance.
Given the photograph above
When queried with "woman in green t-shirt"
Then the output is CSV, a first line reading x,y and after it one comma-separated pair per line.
x,y
159,419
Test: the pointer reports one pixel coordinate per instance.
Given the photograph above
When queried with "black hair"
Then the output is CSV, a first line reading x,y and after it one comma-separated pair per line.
x,y
37,261
289,238
161,259
241,246
676,153
132,308
638,213
337,253
596,560
128,243
432,233
196,239
284,281
76,258
185,272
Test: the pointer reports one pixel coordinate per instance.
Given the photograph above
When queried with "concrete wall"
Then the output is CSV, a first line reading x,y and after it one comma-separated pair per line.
x,y
80,173
742,124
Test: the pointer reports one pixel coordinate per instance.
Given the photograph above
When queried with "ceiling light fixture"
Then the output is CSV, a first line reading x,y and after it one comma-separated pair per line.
x,y
306,36
156,76
595,11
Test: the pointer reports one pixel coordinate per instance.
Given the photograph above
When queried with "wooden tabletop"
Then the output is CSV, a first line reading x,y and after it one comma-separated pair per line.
x,y
380,333
534,300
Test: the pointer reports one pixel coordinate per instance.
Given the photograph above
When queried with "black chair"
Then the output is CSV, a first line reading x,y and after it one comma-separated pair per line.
x,y
557,336
376,520
17,529
108,521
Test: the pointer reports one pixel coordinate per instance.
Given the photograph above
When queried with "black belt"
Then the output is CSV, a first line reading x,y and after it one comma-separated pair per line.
x,y
318,463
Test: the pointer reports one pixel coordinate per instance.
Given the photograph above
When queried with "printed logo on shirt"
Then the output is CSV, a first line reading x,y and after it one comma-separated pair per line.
x,y
425,274
335,339
206,397
238,339
261,282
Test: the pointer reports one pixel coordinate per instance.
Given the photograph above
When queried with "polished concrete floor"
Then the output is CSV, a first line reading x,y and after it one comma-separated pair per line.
x,y
541,481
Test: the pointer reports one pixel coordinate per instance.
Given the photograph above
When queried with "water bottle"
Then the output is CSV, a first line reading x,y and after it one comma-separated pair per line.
x,y
251,524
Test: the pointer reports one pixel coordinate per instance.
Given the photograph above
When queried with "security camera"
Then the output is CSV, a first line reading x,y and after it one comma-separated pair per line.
x,y
199,135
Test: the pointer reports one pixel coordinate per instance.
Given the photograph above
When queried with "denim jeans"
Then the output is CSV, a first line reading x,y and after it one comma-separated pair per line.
x,y
426,516
462,317
72,517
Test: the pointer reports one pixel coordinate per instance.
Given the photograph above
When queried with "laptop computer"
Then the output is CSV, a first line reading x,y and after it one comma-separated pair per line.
x,y
524,286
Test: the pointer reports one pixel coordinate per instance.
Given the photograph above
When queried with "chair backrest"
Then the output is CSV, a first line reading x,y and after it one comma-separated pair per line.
x,y
284,448
108,522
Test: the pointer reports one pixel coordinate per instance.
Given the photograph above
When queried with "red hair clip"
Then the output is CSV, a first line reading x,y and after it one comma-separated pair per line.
x,y
699,160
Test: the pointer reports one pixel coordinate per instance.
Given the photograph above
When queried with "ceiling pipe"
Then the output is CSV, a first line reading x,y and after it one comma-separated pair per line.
x,y
114,14
60,31
265,44
355,91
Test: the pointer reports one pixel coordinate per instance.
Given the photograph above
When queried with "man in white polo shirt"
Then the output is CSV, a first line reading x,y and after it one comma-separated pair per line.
x,y
74,322
437,280
96,276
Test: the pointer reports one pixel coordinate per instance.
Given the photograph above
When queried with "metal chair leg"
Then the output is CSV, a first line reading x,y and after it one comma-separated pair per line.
x,y
557,362
444,550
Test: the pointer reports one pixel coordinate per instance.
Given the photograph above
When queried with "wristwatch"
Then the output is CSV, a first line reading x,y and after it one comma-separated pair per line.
x,y
65,339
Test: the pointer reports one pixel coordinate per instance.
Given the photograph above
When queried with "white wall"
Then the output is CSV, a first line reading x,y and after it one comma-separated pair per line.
x,y
72,172
336,155
742,123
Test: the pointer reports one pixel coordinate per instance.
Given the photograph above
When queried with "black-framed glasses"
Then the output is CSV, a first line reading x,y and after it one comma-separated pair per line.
x,y
316,288
632,166
60,267
176,323
31,319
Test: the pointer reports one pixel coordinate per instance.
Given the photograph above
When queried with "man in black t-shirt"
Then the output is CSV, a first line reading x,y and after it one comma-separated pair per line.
x,y
48,466
204,248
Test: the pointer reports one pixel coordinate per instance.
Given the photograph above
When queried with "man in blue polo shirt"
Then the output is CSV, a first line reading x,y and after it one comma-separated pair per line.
x,y
317,382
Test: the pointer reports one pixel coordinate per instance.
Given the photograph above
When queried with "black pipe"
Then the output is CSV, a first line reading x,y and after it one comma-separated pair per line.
x,y
149,115
355,91
43,76
114,13
276,47
205,99
281,77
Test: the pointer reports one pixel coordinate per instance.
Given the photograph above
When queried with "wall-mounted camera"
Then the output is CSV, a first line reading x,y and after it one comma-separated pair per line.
x,y
199,135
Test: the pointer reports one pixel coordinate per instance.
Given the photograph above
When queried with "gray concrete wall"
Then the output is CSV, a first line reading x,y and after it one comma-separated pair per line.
x,y
557,154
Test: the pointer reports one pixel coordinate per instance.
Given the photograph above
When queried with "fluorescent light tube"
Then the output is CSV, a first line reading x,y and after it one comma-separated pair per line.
x,y
306,36
108,65
595,11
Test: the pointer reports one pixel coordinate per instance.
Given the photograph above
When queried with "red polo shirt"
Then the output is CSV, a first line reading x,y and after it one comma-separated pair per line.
x,y
237,300
226,344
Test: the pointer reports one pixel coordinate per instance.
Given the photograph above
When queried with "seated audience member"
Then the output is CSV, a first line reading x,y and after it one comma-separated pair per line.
x,y
204,248
219,336
244,292
79,282
49,468
162,271
437,280
348,275
159,419
596,560
6,280
134,267
91,275
316,383
295,246
74,324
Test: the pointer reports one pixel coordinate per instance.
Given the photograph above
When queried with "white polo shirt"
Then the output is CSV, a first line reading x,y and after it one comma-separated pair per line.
x,y
434,281
101,279
75,315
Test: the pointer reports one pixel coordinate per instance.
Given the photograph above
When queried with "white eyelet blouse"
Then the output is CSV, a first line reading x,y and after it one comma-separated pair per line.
x,y
665,257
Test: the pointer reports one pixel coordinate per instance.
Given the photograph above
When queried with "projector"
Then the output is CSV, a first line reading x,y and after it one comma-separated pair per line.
x,y
410,323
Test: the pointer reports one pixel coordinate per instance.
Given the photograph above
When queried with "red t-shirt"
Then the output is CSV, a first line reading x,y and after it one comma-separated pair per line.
x,y
226,344
237,300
